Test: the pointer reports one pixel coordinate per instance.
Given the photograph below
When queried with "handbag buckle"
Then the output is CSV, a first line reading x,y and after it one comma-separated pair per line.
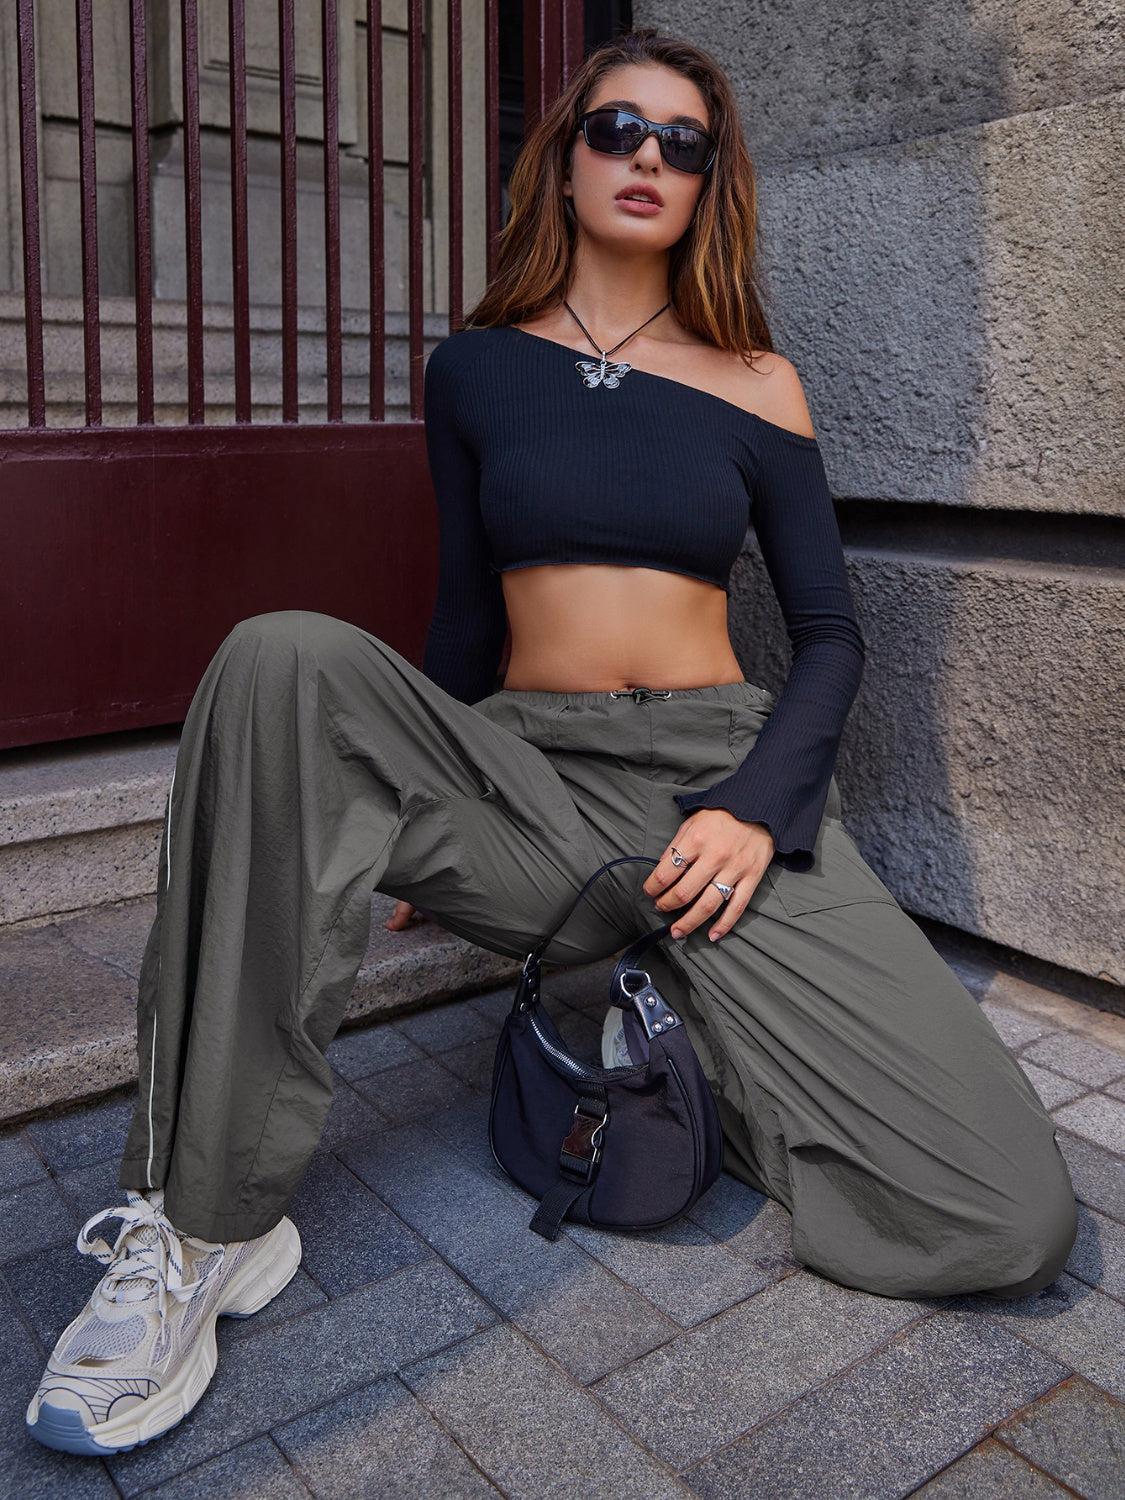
x,y
581,1151
656,1016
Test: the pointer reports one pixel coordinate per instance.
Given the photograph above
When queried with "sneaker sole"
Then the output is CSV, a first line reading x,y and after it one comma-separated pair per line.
x,y
248,1292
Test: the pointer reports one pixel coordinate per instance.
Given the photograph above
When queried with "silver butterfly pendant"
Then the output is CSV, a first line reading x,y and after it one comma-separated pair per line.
x,y
603,371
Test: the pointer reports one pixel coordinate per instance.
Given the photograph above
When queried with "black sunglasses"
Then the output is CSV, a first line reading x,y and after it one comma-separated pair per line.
x,y
619,132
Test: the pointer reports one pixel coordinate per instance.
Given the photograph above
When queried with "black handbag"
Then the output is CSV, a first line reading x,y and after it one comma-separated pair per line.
x,y
628,1147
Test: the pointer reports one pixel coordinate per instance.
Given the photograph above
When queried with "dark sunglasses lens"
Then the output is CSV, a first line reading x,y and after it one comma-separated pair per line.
x,y
685,148
615,131
620,133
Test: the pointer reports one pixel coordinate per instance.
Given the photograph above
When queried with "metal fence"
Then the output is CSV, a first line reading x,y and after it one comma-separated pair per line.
x,y
132,547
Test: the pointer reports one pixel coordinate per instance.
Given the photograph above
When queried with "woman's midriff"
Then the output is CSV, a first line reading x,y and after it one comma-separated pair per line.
x,y
580,627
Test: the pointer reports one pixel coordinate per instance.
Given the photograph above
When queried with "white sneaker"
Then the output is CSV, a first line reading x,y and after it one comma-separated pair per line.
x,y
142,1351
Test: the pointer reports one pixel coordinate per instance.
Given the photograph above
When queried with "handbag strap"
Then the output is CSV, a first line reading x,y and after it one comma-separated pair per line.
x,y
628,958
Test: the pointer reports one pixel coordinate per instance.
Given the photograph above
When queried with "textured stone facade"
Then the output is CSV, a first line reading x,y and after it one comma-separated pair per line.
x,y
943,231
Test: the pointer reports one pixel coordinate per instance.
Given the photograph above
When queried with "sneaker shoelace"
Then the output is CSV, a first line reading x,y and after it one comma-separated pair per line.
x,y
146,1258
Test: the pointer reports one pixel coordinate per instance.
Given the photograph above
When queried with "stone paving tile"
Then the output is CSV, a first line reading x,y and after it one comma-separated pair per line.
x,y
1098,1176
440,1027
533,1432
297,1298
29,1471
50,1286
558,1009
892,1420
411,1091
254,1471
581,1034
83,1137
493,1005
464,1125
1051,1087
350,1114
1075,1057
1016,1029
749,1224
348,1237
379,1441
359,1053
19,1164
1098,1257
1117,1089
1076,1433
291,1369
991,1469
36,1216
583,987
585,1318
697,1276
91,1189
711,1384
301,1294
473,1062
1069,1321
1097,1118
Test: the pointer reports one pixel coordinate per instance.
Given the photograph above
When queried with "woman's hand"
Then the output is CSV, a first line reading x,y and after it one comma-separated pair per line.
x,y
716,846
403,915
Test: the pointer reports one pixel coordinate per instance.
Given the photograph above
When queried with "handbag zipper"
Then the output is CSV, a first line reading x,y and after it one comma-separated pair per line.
x,y
580,1069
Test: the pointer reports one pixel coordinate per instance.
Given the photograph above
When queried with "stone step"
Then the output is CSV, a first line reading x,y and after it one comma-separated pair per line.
x,y
80,822
69,984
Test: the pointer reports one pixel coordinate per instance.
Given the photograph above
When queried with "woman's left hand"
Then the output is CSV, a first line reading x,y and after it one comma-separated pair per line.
x,y
716,846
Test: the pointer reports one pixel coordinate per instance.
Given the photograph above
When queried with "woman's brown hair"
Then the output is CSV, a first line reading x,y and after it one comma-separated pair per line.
x,y
713,277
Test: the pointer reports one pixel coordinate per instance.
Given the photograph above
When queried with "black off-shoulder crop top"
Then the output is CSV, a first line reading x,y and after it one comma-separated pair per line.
x,y
530,466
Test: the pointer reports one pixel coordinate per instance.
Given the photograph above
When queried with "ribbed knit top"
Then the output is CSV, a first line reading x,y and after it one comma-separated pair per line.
x,y
531,466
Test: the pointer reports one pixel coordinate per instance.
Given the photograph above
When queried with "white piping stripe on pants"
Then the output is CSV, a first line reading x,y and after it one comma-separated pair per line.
x,y
152,1047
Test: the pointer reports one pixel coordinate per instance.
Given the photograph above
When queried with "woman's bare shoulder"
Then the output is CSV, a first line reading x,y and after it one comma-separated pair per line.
x,y
773,389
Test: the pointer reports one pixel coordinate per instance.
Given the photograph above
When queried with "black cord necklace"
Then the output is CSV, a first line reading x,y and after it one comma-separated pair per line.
x,y
604,371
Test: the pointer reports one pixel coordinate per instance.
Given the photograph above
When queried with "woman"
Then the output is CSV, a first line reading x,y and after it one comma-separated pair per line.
x,y
597,498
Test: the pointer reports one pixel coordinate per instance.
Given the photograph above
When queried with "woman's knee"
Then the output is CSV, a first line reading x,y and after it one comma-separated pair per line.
x,y
284,627
1042,1231
258,666
287,634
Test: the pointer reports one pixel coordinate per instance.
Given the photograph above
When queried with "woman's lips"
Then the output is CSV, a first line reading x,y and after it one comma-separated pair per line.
x,y
645,207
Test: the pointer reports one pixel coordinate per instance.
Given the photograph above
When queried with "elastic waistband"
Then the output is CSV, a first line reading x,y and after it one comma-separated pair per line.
x,y
729,692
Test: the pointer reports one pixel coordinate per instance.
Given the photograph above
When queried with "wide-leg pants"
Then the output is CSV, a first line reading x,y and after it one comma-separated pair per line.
x,y
858,1082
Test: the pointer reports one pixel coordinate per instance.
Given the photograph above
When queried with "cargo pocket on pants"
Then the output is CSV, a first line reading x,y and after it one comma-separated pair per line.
x,y
839,876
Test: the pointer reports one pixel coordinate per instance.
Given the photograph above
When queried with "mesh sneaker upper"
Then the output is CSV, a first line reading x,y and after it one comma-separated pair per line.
x,y
142,1317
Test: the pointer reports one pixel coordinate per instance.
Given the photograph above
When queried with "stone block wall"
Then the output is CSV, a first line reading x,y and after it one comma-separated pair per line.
x,y
943,231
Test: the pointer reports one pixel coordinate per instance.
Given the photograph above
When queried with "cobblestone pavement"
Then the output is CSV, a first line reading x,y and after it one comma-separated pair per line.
x,y
432,1345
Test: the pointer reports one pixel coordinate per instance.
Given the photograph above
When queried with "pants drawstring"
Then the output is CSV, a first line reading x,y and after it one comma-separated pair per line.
x,y
640,694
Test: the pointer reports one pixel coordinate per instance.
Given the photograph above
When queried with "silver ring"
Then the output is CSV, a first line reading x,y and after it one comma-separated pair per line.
x,y
677,857
727,890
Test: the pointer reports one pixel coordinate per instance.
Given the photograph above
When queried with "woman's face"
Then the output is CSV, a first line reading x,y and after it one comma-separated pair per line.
x,y
597,179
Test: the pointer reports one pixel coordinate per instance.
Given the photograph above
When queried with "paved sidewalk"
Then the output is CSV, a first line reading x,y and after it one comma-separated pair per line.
x,y
433,1346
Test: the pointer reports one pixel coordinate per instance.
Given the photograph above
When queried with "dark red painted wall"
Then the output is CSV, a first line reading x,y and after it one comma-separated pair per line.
x,y
128,554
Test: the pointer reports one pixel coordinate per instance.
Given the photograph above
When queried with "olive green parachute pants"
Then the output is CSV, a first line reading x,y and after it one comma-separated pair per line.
x,y
859,1084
